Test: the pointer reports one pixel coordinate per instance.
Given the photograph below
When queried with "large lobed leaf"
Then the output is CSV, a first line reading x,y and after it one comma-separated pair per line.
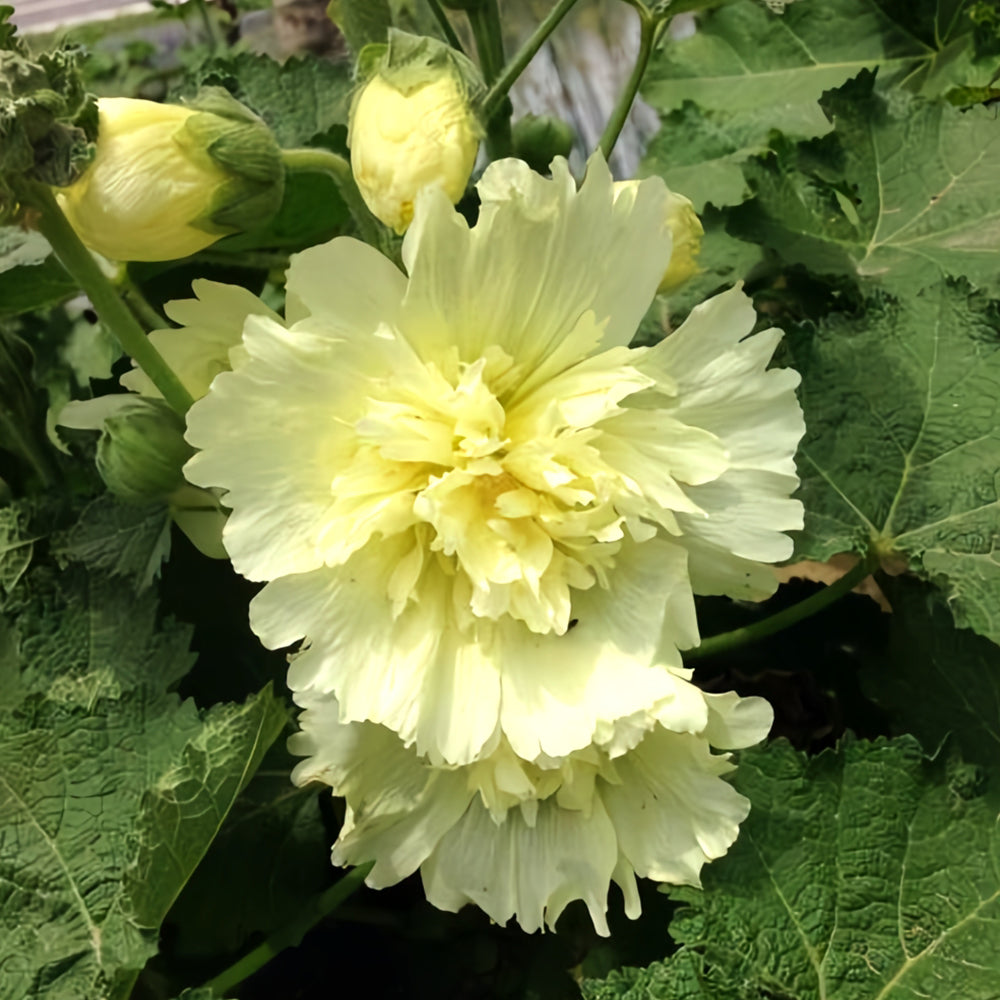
x,y
861,874
111,789
902,446
905,194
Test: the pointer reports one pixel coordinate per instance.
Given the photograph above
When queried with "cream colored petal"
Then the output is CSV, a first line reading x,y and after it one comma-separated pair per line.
x,y
399,808
558,690
414,673
512,869
715,571
671,810
274,434
747,513
541,255
346,283
735,722
211,326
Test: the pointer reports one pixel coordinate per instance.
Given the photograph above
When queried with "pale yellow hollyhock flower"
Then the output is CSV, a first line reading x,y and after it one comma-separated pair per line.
x,y
167,181
524,840
482,509
687,231
402,139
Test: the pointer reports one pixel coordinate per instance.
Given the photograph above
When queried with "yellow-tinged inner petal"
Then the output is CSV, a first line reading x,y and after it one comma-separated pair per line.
x,y
518,491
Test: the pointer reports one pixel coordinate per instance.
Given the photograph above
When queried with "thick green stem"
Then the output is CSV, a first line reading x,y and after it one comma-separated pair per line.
x,y
336,167
104,297
726,641
290,935
648,33
505,80
139,304
446,27
488,34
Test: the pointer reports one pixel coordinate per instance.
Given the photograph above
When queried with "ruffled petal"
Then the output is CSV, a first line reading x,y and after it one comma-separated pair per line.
x,y
671,809
303,388
557,690
211,326
398,807
413,672
531,872
540,256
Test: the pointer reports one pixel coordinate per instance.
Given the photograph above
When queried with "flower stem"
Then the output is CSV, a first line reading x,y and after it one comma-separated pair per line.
x,y
138,302
291,934
726,641
104,297
336,167
505,80
446,27
488,35
649,30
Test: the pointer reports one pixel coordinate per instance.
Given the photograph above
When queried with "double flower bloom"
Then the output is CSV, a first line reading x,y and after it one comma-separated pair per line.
x,y
484,517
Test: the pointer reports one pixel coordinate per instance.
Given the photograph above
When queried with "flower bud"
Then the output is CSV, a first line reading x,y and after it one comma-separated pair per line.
x,y
167,181
142,450
687,231
412,126
539,139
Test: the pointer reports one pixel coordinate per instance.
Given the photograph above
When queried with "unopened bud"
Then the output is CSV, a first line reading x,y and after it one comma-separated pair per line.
x,y
142,450
687,231
167,181
412,126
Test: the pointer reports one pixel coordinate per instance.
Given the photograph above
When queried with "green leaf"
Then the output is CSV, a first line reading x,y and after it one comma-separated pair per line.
x,y
299,99
937,682
37,287
17,543
860,874
127,540
699,153
743,58
111,790
906,195
274,845
105,814
902,443
361,22
83,637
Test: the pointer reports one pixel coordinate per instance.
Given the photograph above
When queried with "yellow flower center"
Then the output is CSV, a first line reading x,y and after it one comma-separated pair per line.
x,y
516,496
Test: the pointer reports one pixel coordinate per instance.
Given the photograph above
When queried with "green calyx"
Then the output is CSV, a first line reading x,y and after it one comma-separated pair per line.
x,y
142,450
408,62
235,140
48,121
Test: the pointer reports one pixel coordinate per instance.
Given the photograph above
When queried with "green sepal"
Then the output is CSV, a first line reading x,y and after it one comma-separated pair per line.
x,y
539,139
142,450
241,144
411,61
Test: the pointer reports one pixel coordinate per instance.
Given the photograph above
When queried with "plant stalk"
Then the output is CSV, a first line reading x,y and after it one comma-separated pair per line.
x,y
291,934
505,80
648,33
336,167
104,297
487,32
738,637
446,27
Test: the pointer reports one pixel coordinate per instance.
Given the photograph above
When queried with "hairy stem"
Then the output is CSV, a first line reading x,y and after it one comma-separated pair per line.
x,y
336,167
649,31
104,297
488,34
290,935
505,80
446,27
726,641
